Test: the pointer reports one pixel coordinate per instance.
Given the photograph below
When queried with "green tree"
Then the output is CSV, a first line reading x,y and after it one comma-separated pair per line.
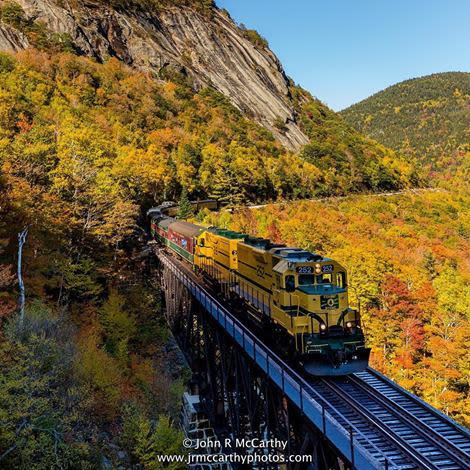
x,y
185,209
159,439
119,326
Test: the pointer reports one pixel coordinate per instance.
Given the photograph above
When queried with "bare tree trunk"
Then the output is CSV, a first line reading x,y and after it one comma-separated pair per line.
x,y
22,300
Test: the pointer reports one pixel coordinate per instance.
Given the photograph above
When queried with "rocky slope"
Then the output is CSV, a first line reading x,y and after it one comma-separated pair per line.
x,y
210,48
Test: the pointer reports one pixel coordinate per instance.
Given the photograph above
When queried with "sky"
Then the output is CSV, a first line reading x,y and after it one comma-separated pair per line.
x,y
342,51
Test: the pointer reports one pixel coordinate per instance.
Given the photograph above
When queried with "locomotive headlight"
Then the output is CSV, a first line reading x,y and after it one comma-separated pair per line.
x,y
349,324
322,327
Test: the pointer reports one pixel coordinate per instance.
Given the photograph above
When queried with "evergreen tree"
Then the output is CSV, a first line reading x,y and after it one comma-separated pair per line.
x,y
185,209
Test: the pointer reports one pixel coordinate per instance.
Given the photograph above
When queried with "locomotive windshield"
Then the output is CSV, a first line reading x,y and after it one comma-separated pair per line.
x,y
311,279
306,279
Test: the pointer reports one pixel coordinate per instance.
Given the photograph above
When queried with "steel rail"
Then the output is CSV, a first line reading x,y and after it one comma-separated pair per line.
x,y
421,460
416,400
451,450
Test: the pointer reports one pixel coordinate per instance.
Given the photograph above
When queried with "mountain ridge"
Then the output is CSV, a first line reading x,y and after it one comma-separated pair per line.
x,y
426,116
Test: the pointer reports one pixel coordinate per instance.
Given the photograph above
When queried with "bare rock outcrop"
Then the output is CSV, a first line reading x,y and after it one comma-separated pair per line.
x,y
12,40
212,50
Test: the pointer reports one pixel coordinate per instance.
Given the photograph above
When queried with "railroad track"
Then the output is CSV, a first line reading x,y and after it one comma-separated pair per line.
x,y
452,439
407,431
339,198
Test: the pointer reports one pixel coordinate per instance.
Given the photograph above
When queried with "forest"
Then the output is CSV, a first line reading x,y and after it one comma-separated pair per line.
x,y
425,117
87,377
85,149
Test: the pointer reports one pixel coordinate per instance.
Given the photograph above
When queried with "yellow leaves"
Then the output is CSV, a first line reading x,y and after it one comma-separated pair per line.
x,y
246,163
407,383
40,94
96,112
186,159
119,222
142,171
102,372
447,284
431,104
7,110
213,154
169,89
214,160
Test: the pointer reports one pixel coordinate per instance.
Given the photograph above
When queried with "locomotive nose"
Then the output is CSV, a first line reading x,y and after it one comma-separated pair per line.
x,y
336,331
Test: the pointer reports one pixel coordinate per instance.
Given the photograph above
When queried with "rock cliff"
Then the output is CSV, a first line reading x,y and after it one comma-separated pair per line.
x,y
12,40
210,48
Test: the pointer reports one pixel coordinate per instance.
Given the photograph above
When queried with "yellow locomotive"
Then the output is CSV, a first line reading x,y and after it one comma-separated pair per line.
x,y
296,295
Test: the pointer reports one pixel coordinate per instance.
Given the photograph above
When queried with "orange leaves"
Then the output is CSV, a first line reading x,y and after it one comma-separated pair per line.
x,y
412,334
24,124
274,234
404,357
166,138
378,360
449,396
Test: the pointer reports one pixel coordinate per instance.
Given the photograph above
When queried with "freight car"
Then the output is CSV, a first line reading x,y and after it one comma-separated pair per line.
x,y
300,297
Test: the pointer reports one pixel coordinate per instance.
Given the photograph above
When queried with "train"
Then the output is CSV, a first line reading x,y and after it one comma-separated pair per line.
x,y
296,299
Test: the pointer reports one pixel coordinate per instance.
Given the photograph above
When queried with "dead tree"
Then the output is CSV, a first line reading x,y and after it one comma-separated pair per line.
x,y
22,299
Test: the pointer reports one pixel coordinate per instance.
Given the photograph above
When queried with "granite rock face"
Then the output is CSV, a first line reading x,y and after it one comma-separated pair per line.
x,y
12,40
212,50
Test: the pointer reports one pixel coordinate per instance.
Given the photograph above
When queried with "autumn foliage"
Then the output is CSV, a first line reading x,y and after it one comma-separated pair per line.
x,y
90,346
86,148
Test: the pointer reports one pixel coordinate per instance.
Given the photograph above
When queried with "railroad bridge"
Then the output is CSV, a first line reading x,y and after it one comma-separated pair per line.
x,y
362,421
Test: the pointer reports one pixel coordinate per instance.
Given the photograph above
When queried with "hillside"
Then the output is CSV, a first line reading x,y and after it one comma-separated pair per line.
x,y
198,45
428,117
164,37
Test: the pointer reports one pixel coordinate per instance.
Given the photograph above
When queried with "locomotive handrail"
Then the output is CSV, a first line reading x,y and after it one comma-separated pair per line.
x,y
291,383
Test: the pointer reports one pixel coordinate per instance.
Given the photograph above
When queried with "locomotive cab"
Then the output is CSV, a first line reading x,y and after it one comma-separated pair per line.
x,y
327,331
